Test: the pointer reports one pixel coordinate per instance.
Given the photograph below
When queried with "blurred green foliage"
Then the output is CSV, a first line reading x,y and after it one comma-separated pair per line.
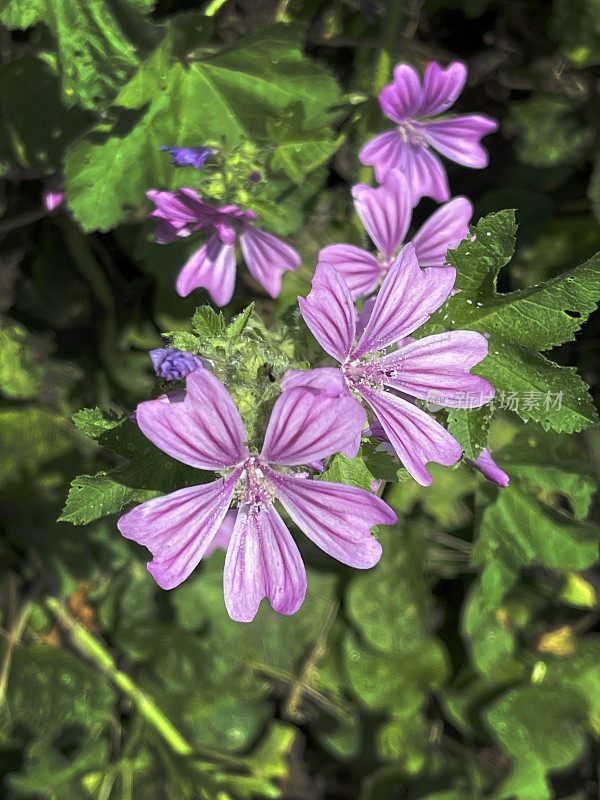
x,y
467,663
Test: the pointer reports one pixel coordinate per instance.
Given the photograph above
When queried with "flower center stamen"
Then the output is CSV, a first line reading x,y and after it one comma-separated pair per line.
x,y
411,134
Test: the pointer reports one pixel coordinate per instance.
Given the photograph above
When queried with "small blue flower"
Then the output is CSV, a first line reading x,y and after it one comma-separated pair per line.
x,y
172,364
189,156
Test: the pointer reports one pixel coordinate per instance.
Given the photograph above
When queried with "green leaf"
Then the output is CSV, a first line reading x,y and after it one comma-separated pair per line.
x,y
36,147
96,41
237,327
351,471
298,150
541,730
208,323
470,428
520,324
22,361
93,422
526,526
94,496
227,97
32,439
550,132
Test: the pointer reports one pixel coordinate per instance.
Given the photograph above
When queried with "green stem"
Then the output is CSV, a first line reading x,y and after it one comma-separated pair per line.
x,y
212,8
93,649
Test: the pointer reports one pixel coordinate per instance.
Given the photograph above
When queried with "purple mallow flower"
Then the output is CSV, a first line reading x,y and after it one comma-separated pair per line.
x,y
386,214
54,193
411,105
189,156
213,265
438,364
205,430
172,364
489,469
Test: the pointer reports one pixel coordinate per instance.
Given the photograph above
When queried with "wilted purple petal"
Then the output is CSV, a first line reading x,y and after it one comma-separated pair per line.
x,y
439,366
179,528
360,269
458,138
336,517
489,469
262,561
212,267
385,212
443,231
415,436
172,364
204,430
406,299
307,424
189,156
441,87
404,97
267,258
329,312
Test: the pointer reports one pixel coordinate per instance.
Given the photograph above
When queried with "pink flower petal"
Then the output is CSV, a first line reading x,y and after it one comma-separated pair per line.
x,y
262,561
436,368
404,97
307,425
441,87
337,518
360,269
175,207
424,173
384,152
329,312
385,212
458,138
204,430
179,528
489,469
267,258
326,379
415,436
406,299
213,268
443,231
222,537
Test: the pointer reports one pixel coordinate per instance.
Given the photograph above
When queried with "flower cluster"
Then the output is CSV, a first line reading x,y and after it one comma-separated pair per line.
x,y
384,371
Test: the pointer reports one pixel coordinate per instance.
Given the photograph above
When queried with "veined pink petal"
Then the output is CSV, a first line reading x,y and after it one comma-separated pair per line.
x,y
326,379
436,368
489,469
329,312
424,172
204,430
262,561
213,268
267,258
385,212
404,97
179,528
415,436
307,425
458,138
174,207
406,299
384,152
443,231
222,537
337,518
441,87
360,269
